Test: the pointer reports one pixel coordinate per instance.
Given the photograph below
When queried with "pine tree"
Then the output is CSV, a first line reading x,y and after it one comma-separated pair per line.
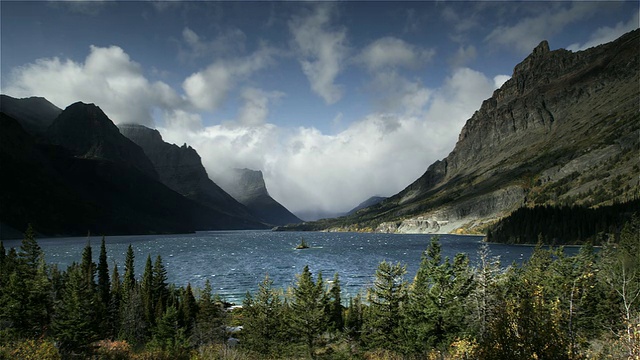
x,y
88,267
160,287
386,298
308,308
146,289
335,308
74,324
129,279
354,314
209,319
189,309
263,319
104,283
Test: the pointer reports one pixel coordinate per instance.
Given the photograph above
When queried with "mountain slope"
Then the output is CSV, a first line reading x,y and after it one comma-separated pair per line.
x,y
563,130
180,168
96,185
89,133
248,187
34,114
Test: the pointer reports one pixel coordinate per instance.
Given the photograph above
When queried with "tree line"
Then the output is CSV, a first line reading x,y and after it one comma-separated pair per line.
x,y
561,225
552,306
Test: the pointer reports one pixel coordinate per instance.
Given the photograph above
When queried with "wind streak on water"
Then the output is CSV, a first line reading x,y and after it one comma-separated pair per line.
x,y
236,261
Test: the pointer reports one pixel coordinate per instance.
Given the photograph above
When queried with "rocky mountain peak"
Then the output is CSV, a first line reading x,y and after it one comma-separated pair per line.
x,y
87,131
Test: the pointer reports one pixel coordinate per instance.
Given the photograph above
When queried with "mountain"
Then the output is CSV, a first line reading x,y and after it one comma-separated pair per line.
x,y
101,183
248,187
365,204
34,114
89,133
563,130
180,168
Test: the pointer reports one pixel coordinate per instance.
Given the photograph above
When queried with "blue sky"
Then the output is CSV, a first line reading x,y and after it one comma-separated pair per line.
x,y
334,101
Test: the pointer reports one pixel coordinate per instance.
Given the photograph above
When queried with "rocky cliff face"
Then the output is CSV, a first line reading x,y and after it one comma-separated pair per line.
x,y
563,130
89,133
248,187
180,168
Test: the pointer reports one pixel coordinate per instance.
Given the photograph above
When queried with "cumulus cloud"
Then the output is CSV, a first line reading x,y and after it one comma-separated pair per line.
x,y
256,106
321,51
528,32
393,52
607,34
499,80
108,77
208,88
380,154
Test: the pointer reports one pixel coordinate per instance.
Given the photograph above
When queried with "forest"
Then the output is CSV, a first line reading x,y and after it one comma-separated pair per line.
x,y
552,306
562,225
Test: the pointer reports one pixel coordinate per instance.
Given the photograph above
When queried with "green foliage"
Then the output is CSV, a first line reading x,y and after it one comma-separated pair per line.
x,y
308,303
263,320
386,298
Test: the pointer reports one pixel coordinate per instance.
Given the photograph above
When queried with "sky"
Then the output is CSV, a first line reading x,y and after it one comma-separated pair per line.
x,y
334,102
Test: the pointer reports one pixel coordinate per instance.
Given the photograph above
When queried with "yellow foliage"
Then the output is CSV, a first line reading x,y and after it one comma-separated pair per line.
x,y
463,349
30,350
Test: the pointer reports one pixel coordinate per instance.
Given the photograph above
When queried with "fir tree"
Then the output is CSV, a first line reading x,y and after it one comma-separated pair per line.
x,y
308,308
335,308
263,319
104,283
386,298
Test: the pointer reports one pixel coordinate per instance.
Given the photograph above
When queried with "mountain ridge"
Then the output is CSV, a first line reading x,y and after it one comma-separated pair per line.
x,y
562,130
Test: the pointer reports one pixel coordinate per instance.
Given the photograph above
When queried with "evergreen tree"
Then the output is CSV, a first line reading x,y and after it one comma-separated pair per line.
x,y
160,287
133,324
129,279
353,320
74,323
189,309
263,326
104,283
335,308
115,300
209,319
307,307
169,336
88,267
386,298
146,288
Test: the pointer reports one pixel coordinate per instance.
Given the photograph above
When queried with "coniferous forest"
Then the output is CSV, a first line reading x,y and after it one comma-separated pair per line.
x,y
553,306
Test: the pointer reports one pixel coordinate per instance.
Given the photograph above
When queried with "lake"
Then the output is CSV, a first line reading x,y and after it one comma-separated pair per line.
x,y
237,261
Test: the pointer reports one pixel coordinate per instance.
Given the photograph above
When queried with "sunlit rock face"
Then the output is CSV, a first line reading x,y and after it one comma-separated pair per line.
x,y
563,129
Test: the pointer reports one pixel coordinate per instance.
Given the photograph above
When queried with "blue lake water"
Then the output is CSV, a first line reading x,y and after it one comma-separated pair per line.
x,y
237,261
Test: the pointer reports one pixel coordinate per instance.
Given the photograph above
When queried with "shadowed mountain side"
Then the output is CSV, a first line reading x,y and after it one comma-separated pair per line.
x,y
180,168
60,193
89,133
563,130
248,187
34,114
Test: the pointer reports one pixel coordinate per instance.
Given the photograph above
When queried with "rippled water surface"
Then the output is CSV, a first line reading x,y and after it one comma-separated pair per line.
x,y
236,261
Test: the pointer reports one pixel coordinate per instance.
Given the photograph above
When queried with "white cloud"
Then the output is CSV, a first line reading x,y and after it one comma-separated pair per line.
x,y
108,77
528,32
499,80
256,106
321,51
391,52
607,34
380,154
207,89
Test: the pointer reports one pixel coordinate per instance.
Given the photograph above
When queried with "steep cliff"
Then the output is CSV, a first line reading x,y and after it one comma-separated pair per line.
x,y
180,168
563,130
248,187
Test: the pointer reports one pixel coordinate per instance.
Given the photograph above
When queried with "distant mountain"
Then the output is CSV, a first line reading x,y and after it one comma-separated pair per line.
x,y
180,168
365,204
101,183
248,187
34,114
563,130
